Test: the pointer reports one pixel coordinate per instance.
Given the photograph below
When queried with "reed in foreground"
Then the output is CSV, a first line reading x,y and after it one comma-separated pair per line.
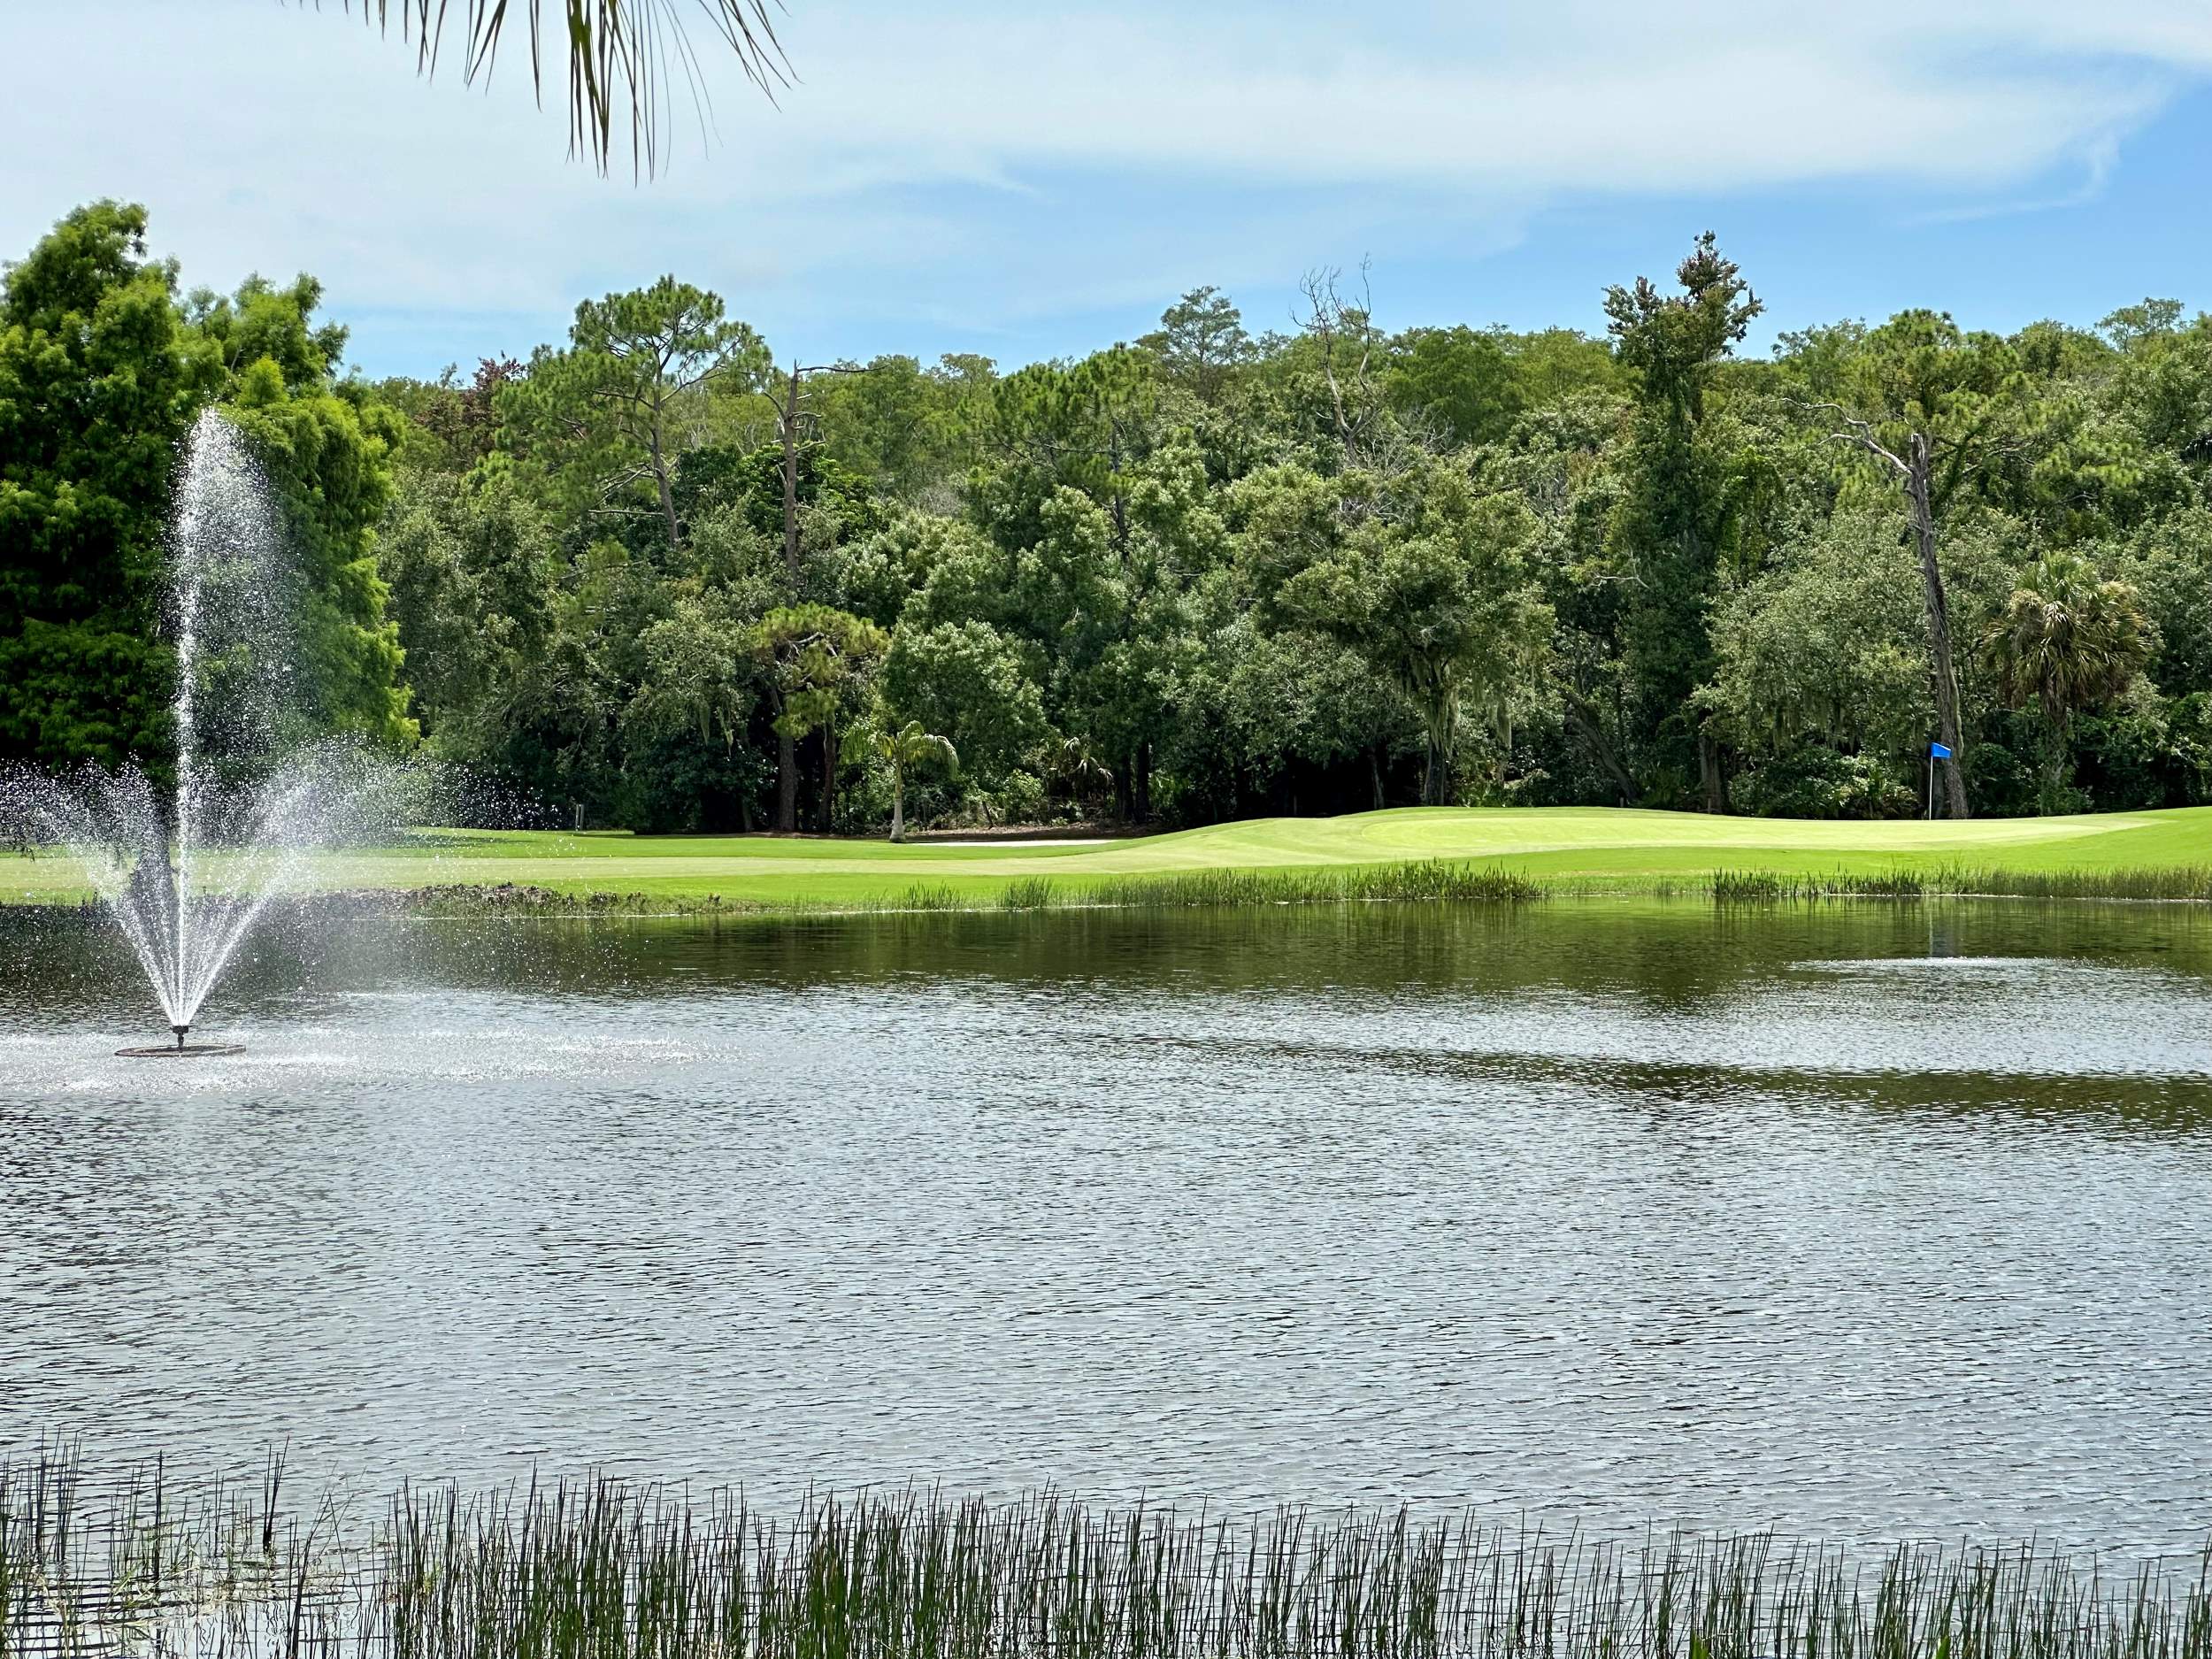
x,y
603,1570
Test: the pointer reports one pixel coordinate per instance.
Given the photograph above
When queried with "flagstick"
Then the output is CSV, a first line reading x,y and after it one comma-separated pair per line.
x,y
1932,786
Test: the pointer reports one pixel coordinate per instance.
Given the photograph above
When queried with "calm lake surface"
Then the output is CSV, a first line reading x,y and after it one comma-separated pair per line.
x,y
1857,1220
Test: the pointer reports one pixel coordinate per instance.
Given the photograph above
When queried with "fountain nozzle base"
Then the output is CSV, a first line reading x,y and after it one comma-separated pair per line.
x,y
183,1050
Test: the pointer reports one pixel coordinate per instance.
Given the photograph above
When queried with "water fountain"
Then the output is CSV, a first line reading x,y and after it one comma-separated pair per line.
x,y
187,873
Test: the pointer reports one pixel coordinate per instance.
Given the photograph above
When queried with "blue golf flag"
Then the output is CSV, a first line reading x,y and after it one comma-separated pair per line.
x,y
1936,751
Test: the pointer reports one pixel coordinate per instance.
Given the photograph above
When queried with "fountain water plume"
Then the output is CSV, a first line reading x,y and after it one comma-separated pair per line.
x,y
188,873
187,881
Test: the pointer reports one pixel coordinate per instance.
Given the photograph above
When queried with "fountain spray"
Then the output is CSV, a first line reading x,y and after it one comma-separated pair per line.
x,y
188,877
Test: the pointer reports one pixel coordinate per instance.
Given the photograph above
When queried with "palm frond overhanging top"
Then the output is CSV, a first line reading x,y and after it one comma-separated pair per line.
x,y
622,55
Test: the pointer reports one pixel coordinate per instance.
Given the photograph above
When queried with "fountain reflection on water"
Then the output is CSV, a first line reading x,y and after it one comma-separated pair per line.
x,y
187,873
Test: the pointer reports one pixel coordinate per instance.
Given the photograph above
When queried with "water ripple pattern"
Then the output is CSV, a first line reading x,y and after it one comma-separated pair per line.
x,y
1864,1221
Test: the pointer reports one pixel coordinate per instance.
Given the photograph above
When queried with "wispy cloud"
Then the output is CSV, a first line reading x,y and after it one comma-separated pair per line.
x,y
987,158
2103,156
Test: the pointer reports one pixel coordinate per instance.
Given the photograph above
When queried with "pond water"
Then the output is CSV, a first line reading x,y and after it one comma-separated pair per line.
x,y
1858,1220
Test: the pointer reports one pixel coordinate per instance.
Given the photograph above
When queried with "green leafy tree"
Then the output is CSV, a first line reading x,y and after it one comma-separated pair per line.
x,y
99,379
612,410
452,425
819,660
2161,384
1084,426
1678,517
968,680
1823,649
472,576
889,570
1551,365
1459,383
1924,401
1427,579
2067,641
1563,460
265,323
907,431
2169,562
1099,520
1200,344
696,679
326,449
1295,705
557,727
101,372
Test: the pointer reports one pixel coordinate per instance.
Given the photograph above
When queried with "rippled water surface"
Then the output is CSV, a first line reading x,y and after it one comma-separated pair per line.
x,y
1857,1220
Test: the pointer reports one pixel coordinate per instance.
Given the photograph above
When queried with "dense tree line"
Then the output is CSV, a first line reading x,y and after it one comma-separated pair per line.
x,y
655,579
103,367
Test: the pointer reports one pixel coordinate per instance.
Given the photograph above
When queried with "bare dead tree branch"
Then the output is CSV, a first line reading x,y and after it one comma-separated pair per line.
x,y
1329,319
1915,470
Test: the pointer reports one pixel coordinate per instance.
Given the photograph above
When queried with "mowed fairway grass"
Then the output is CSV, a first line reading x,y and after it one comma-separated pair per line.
x,y
1567,850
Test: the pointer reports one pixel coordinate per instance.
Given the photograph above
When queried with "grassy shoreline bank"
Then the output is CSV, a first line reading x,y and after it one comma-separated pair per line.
x,y
1389,884
1438,854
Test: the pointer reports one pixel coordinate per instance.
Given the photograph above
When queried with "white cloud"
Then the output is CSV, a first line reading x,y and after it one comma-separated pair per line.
x,y
1731,93
978,158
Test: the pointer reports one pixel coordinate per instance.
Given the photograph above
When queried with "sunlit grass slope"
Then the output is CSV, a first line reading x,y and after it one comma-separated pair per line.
x,y
1572,848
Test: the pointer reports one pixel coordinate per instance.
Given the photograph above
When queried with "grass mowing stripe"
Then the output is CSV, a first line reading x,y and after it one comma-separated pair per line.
x,y
1622,850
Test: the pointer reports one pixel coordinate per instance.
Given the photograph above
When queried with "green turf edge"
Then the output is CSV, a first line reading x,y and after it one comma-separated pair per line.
x,y
2146,854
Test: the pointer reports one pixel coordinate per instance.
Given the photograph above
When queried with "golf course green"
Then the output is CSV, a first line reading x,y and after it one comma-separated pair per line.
x,y
1595,849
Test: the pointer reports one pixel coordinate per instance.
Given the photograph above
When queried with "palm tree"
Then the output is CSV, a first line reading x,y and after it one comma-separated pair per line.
x,y
909,745
621,53
2067,642
1072,763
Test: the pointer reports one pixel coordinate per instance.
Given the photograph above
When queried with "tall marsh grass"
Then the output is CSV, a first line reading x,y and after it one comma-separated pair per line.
x,y
1414,881
1433,881
599,1569
2177,883
1422,881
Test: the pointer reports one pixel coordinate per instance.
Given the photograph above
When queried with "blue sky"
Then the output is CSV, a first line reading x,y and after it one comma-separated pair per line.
x,y
981,175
